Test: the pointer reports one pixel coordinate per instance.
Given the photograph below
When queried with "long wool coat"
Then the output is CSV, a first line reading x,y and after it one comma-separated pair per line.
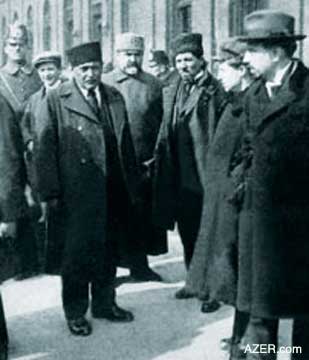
x,y
274,224
143,99
213,269
73,165
12,184
201,112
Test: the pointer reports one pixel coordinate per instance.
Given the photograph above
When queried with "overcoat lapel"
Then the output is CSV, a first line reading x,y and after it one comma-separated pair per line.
x,y
169,99
75,102
262,110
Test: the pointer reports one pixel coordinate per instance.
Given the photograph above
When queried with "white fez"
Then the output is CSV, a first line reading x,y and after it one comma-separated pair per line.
x,y
129,41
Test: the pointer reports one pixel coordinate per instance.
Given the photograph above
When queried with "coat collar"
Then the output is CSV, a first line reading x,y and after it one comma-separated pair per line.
x,y
76,102
121,76
13,68
205,84
292,89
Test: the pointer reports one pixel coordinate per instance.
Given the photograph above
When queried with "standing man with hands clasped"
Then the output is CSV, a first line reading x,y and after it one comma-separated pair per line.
x,y
84,145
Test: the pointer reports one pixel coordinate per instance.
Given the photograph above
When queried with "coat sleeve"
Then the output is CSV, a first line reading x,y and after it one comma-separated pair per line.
x,y
46,155
25,124
12,167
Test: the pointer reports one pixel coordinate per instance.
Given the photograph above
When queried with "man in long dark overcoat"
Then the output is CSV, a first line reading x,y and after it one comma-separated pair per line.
x,y
143,98
192,104
18,81
273,245
13,205
85,154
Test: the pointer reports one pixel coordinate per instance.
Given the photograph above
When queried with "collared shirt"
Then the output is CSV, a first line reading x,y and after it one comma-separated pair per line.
x,y
86,94
279,78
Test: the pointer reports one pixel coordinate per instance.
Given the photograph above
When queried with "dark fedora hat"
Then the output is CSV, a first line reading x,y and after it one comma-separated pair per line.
x,y
158,57
269,25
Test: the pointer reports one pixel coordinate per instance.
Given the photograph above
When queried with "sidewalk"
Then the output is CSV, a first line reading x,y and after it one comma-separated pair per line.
x,y
164,329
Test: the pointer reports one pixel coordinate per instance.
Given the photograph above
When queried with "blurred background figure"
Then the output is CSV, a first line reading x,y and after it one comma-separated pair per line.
x,y
108,67
159,66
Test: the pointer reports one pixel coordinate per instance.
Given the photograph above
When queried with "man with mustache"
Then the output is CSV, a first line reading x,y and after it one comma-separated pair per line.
x,y
143,98
191,110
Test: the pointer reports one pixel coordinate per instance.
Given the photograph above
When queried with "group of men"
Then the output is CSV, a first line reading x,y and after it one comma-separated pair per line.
x,y
111,162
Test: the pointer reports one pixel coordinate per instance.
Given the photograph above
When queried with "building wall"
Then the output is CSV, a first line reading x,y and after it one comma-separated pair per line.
x,y
155,19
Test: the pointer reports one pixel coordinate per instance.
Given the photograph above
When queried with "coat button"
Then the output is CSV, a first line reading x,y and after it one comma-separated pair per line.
x,y
79,128
83,161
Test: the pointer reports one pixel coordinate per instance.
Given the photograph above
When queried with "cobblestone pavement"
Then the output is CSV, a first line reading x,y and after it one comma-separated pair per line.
x,y
164,329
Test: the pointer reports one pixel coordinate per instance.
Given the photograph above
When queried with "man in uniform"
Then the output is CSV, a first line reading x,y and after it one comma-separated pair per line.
x,y
143,97
274,221
84,151
18,81
191,110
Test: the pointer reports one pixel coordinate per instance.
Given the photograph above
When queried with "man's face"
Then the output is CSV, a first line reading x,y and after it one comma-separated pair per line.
x,y
49,73
16,50
88,75
157,69
188,65
229,75
130,61
260,60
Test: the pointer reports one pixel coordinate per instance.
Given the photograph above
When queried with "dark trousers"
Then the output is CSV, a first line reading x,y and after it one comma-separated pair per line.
x,y
26,246
265,331
188,221
3,333
98,276
240,325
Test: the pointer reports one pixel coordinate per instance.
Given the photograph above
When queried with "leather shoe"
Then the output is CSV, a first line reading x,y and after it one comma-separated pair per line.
x,y
115,313
210,306
79,327
183,294
146,275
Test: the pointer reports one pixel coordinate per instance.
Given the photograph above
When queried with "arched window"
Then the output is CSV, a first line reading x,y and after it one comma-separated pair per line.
x,y
30,29
68,24
238,9
95,20
46,26
15,16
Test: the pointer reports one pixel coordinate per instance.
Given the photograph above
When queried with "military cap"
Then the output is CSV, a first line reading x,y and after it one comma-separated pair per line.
x,y
231,49
188,42
269,25
129,41
17,31
158,57
47,57
84,53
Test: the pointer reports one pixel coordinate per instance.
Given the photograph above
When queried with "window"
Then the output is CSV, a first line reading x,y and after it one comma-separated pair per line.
x,y
124,16
185,18
15,16
96,20
46,26
30,29
68,24
238,9
3,36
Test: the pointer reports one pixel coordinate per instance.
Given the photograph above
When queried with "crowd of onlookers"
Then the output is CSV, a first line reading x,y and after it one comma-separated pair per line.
x,y
98,161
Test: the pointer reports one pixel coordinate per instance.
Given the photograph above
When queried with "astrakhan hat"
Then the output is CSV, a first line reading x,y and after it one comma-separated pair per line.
x,y
129,41
269,25
188,42
84,53
47,57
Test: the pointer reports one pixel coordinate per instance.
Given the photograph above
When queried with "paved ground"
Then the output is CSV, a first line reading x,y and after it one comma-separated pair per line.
x,y
164,329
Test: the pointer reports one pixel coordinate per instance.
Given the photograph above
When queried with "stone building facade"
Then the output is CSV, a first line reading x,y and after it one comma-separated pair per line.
x,y
58,24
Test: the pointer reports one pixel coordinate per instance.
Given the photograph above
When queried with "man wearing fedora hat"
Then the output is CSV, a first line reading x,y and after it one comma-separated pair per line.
x,y
85,161
143,97
159,65
191,110
274,221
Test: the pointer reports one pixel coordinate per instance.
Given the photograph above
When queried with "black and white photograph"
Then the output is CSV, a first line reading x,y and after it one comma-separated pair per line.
x,y
154,180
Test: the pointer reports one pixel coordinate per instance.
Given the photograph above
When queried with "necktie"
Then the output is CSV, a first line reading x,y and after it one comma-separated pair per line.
x,y
185,92
93,101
